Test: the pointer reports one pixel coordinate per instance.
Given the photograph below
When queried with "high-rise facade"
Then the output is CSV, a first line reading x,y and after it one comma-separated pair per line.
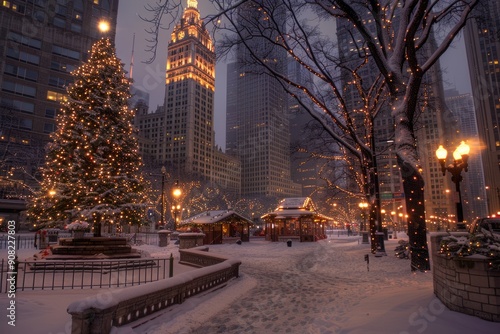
x,y
180,134
41,42
257,127
189,96
473,188
482,42
305,170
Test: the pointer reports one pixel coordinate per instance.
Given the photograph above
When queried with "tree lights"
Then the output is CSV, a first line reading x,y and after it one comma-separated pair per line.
x,y
92,167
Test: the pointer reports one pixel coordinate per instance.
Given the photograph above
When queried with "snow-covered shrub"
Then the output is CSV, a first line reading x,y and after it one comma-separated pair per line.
x,y
487,245
78,225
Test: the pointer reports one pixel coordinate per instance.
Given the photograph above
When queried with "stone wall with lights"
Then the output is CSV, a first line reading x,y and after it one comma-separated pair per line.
x,y
466,284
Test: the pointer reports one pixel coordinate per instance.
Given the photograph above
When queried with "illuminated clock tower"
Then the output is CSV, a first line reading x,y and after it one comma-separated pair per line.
x,y
189,97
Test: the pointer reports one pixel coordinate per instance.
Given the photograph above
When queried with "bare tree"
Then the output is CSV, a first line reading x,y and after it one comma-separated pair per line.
x,y
392,34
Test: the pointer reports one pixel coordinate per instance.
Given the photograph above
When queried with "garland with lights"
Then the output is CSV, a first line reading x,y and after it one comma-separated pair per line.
x,y
92,169
487,245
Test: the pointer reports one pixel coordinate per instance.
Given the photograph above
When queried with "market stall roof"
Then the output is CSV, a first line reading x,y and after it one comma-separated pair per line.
x,y
216,216
295,207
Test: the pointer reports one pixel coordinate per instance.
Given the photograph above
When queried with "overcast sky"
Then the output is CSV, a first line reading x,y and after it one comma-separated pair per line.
x,y
151,77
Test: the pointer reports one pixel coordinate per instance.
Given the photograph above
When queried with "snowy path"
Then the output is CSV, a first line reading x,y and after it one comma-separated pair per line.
x,y
302,292
318,288
306,288
309,288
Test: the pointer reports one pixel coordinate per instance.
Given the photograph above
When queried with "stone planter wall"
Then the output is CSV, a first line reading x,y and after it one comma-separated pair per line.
x,y
190,240
466,284
115,308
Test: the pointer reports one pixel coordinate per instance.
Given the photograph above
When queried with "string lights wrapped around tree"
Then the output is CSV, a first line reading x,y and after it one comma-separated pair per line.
x,y
92,169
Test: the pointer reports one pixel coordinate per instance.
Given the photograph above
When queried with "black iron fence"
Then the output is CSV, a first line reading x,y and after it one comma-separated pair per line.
x,y
22,241
52,275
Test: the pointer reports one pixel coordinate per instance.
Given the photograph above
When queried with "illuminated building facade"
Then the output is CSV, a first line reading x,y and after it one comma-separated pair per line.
x,y
41,42
188,132
189,96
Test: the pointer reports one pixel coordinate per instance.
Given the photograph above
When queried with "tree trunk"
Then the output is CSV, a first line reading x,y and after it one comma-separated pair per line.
x,y
97,229
413,185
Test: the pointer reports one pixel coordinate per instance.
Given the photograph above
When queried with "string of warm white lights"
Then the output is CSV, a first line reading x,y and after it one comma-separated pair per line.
x,y
92,168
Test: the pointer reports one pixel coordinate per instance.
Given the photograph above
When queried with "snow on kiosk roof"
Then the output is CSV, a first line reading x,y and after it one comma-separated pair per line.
x,y
295,218
295,207
220,226
213,217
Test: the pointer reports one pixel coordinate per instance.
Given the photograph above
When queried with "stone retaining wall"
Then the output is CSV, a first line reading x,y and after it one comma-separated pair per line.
x,y
199,257
123,306
466,284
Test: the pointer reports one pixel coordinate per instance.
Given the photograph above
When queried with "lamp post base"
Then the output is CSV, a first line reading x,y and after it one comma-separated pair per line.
x,y
380,245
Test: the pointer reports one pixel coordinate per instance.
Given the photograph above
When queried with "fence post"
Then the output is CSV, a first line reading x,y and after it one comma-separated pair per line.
x,y
171,271
14,271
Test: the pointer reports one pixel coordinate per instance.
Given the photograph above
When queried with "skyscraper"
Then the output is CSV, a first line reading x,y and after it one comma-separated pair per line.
x,y
257,129
39,46
187,140
306,169
189,96
482,42
474,192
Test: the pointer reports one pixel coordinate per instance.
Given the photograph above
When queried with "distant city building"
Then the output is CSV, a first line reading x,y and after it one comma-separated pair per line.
x,y
429,130
151,133
473,189
180,135
306,169
138,96
389,176
483,46
41,42
435,126
257,128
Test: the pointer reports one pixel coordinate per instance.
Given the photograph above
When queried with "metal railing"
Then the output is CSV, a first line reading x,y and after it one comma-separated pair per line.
x,y
22,241
94,317
51,275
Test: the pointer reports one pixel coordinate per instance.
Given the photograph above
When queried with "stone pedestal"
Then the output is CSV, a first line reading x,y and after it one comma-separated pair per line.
x,y
190,240
163,238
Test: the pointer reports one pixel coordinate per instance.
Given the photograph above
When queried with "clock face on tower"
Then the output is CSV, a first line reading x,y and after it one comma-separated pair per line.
x,y
181,34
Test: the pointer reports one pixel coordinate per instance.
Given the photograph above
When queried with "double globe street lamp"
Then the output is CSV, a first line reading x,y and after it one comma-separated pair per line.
x,y
176,207
460,162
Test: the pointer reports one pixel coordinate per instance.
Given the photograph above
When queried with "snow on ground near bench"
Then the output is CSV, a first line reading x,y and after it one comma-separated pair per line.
x,y
406,304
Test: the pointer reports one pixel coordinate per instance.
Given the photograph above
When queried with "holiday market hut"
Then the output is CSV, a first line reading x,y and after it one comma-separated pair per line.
x,y
295,219
220,226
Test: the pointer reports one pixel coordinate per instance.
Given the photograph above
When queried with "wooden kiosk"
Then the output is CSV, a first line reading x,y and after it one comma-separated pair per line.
x,y
295,219
221,226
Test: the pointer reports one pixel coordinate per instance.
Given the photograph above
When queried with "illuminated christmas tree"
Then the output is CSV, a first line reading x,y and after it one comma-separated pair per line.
x,y
92,170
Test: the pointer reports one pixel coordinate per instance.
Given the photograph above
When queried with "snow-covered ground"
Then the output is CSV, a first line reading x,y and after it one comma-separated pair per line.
x,y
321,287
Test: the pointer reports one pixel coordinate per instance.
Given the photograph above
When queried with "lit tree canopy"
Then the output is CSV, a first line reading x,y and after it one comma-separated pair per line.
x,y
93,169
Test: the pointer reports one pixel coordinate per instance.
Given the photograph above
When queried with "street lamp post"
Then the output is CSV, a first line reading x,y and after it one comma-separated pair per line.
x,y
176,192
460,162
162,213
363,206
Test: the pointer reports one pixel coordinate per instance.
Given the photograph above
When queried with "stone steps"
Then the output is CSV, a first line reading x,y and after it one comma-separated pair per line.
x,y
79,248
